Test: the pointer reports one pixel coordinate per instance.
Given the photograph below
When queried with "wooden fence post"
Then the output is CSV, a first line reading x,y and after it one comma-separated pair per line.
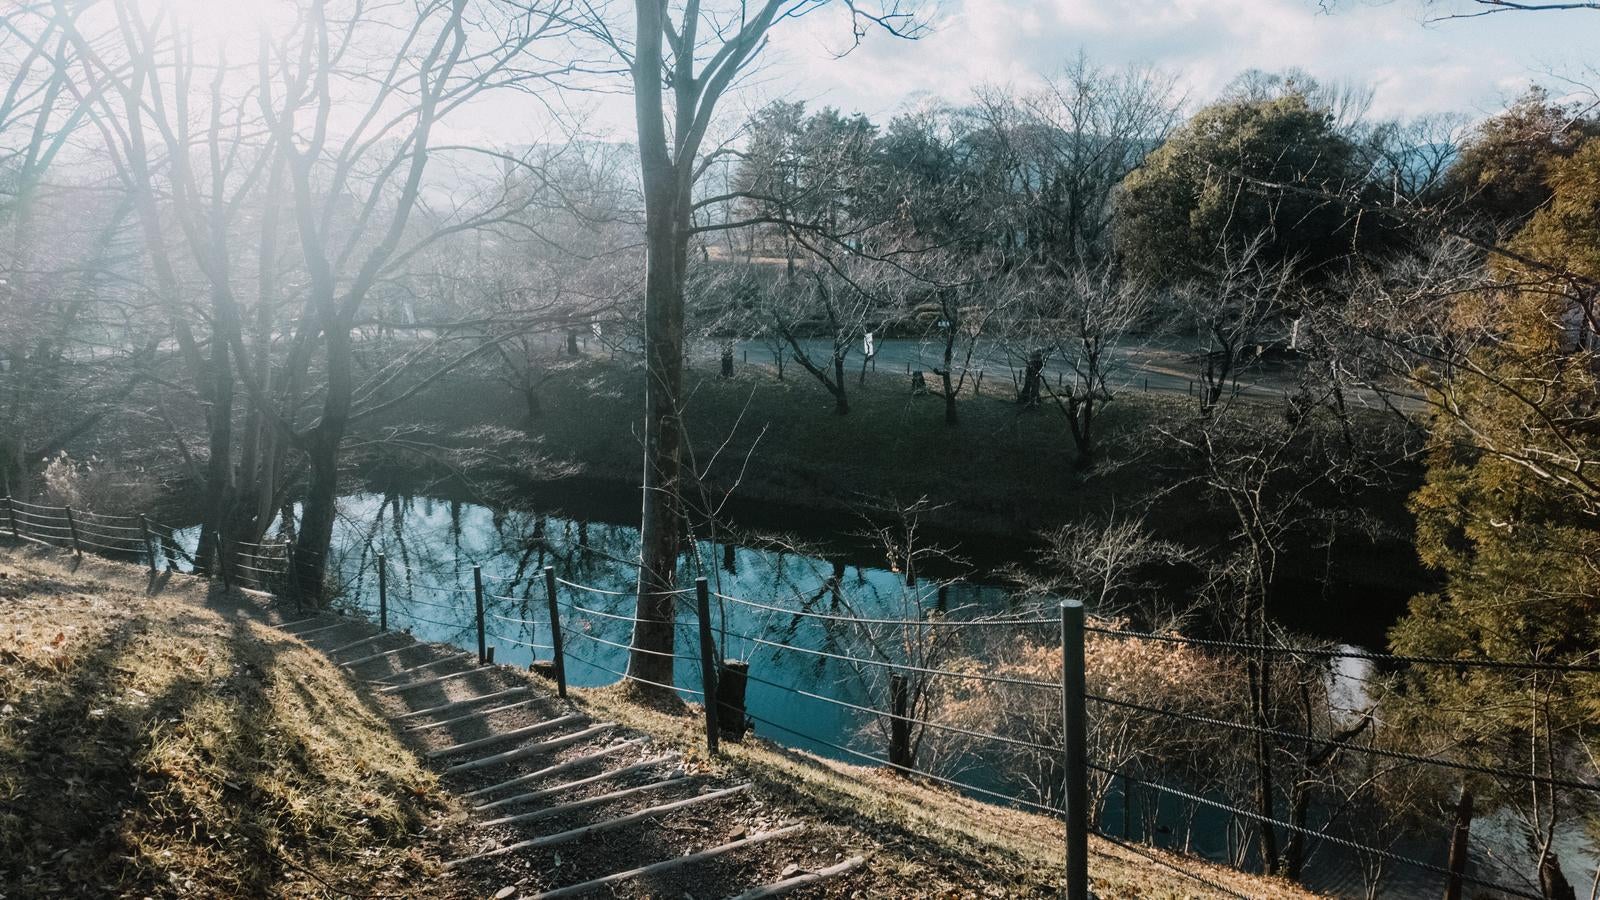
x,y
555,631
1075,739
708,661
11,513
72,526
477,597
149,545
383,592
899,725
1459,845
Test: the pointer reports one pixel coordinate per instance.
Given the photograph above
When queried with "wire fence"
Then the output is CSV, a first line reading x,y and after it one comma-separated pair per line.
x,y
891,681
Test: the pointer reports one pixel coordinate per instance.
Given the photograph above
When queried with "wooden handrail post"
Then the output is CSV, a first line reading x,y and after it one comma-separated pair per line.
x,y
11,513
72,527
560,656
708,661
899,722
1075,741
477,596
149,544
383,592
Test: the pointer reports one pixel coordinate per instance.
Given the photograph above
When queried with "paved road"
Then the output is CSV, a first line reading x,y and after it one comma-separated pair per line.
x,y
1149,367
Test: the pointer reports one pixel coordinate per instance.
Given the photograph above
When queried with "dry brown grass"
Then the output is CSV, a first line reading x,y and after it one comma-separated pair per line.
x,y
151,746
928,835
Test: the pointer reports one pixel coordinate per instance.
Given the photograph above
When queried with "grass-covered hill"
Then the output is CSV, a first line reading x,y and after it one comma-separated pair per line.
x,y
154,746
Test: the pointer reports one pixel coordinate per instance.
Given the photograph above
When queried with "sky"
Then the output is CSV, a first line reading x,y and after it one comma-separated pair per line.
x,y
1413,65
1413,62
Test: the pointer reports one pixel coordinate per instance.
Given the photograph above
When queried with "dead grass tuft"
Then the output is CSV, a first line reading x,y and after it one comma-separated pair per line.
x,y
150,746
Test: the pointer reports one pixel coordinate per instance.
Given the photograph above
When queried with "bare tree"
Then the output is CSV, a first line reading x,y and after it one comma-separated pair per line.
x,y
1082,320
681,67
1229,310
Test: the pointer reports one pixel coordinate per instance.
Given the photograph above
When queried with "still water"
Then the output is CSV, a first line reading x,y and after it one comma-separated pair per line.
x,y
431,547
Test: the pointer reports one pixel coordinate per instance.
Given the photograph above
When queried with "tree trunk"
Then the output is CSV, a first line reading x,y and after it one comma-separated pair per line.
x,y
1294,849
660,520
1552,883
841,402
1261,700
215,544
321,446
949,364
316,518
1084,434
1032,381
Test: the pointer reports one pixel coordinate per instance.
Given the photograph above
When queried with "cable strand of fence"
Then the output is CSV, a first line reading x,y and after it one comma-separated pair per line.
x,y
1037,807
983,735
1529,665
510,640
904,667
626,677
1344,745
661,653
1134,848
858,620
1319,835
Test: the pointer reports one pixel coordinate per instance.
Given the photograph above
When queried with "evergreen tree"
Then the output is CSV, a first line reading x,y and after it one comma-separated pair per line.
x,y
1510,515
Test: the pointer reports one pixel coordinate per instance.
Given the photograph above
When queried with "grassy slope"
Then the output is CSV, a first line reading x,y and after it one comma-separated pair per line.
x,y
152,746
927,834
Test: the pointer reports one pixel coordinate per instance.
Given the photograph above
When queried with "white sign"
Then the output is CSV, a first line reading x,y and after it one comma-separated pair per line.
x,y
866,344
596,327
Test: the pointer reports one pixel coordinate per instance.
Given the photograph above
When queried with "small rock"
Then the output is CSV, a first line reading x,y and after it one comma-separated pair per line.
x,y
790,871
738,833
504,892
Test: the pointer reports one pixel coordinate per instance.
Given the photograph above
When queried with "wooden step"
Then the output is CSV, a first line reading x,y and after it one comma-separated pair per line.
x,y
479,714
666,865
807,879
310,631
597,800
556,769
570,785
454,705
512,735
364,641
563,837
377,656
454,657
500,759
430,682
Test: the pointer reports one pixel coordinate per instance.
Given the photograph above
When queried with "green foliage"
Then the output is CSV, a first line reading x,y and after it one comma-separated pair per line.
x,y
1187,201
1511,519
1503,172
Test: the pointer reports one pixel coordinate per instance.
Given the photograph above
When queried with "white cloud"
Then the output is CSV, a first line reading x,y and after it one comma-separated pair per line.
x,y
1414,67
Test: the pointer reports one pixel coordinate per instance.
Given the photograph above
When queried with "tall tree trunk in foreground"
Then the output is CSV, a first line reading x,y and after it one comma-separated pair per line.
x,y
666,192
